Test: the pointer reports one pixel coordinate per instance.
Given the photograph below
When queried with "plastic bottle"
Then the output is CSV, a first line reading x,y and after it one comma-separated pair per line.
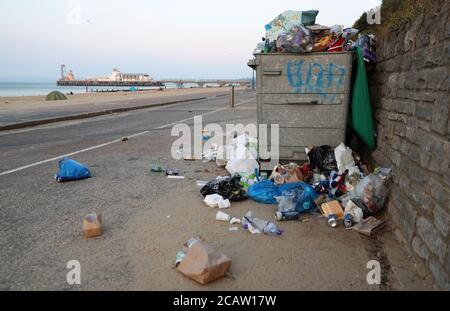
x,y
272,229
157,169
256,225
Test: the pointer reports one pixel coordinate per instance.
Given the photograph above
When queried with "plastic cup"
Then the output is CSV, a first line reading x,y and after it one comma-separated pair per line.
x,y
221,216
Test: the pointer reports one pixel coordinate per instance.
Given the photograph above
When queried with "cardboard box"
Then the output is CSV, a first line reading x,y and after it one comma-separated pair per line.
x,y
92,225
333,208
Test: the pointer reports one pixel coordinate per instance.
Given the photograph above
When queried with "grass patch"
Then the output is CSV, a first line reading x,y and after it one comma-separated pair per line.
x,y
395,14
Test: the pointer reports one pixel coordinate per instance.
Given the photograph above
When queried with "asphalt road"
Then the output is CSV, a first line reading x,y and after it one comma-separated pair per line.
x,y
147,217
10,117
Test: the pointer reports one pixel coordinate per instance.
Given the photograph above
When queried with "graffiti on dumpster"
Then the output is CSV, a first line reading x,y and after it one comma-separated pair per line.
x,y
316,78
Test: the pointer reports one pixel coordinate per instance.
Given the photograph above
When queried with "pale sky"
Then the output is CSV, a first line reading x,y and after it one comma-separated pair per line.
x,y
167,39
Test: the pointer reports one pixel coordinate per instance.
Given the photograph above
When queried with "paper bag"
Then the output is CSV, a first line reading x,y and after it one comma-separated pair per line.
x,y
203,264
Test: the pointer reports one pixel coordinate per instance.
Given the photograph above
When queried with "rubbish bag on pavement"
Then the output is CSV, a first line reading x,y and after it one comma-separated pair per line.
x,y
371,192
266,191
70,170
322,158
229,188
297,200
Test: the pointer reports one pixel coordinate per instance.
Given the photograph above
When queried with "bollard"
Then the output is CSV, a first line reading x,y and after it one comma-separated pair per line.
x,y
232,97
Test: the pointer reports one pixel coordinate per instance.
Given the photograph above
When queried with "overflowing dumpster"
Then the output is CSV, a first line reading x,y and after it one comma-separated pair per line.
x,y
308,95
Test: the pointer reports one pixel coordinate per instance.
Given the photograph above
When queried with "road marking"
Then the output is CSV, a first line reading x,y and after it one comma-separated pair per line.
x,y
69,154
110,143
202,115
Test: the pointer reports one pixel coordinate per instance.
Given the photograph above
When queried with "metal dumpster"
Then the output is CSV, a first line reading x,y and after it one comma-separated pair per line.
x,y
308,95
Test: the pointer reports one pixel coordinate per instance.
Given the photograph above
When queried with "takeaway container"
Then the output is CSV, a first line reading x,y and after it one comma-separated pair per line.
x,y
308,95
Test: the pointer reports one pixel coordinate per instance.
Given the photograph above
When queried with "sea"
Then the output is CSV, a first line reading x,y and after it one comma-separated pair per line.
x,y
10,89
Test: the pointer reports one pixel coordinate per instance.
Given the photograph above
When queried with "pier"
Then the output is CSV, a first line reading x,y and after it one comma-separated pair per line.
x,y
160,84
201,83
93,83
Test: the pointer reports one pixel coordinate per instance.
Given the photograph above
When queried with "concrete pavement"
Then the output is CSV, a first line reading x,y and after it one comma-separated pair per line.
x,y
147,217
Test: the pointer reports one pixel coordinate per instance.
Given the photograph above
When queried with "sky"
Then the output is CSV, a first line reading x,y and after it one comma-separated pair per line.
x,y
167,39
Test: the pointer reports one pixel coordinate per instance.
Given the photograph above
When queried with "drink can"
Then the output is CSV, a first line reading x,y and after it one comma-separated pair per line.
x,y
287,216
332,221
348,221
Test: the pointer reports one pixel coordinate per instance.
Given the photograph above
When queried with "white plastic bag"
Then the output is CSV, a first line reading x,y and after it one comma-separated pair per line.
x,y
345,161
213,200
242,167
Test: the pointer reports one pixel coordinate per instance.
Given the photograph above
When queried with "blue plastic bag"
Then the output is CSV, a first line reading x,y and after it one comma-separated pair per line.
x,y
70,170
298,200
266,191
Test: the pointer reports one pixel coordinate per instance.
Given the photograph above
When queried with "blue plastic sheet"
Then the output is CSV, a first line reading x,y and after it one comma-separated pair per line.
x,y
266,192
70,170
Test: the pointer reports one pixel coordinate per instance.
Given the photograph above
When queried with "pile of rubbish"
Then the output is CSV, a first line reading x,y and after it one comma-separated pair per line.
x,y
297,32
334,181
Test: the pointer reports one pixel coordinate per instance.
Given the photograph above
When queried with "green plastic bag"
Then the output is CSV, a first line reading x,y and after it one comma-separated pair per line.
x,y
362,122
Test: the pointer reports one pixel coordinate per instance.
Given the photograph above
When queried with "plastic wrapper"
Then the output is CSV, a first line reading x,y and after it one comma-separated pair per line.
x,y
229,188
297,40
321,43
286,20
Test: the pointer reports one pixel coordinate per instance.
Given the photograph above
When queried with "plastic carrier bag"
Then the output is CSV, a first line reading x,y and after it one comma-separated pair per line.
x,y
230,188
266,191
70,170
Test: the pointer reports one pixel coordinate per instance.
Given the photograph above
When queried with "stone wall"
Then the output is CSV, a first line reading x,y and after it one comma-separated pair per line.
x,y
410,92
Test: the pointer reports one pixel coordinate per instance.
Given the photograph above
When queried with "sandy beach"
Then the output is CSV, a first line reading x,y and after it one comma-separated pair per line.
x,y
19,112
31,102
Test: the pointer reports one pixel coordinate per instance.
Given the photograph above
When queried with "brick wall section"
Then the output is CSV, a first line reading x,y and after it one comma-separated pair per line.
x,y
410,92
